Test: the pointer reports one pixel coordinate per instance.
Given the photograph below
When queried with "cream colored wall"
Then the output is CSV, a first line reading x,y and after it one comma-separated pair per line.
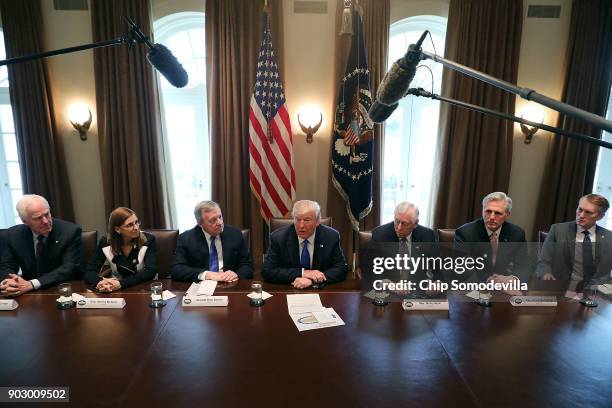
x,y
309,52
542,58
72,80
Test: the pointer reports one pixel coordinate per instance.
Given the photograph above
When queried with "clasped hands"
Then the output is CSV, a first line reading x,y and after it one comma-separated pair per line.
x,y
108,285
223,276
309,277
14,285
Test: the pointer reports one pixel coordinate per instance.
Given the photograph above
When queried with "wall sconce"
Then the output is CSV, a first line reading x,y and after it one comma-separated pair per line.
x,y
532,114
310,126
80,117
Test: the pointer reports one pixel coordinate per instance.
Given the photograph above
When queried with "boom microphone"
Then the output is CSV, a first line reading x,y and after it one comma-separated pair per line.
x,y
162,59
396,82
166,63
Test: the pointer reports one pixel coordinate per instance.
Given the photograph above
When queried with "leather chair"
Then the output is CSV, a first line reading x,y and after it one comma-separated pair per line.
x,y
165,240
446,234
89,240
3,233
246,234
276,223
364,238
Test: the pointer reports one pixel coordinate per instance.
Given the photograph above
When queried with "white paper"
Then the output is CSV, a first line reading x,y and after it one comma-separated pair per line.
x,y
75,298
203,288
304,303
166,294
606,289
264,295
8,304
308,320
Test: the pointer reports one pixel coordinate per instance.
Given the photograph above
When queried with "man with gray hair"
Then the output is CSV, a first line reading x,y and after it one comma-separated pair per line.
x,y
501,243
404,227
305,252
40,253
211,250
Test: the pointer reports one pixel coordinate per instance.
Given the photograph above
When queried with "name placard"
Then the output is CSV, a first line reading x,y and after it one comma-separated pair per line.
x,y
101,303
424,304
189,301
547,301
8,304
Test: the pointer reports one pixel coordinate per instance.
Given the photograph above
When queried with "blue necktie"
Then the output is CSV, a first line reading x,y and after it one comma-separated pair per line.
x,y
305,257
214,259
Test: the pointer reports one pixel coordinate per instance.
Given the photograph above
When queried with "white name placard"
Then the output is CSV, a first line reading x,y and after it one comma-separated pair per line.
x,y
189,301
424,304
8,304
101,303
533,301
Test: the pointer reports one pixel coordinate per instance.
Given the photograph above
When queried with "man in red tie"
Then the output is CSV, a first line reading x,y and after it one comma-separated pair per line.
x,y
501,243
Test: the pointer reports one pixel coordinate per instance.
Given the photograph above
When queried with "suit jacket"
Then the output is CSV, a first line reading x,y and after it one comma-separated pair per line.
x,y
386,233
145,269
557,253
512,255
192,256
62,254
282,263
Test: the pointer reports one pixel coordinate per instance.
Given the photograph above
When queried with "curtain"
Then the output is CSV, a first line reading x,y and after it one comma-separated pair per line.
x,y
129,126
570,164
39,146
233,38
376,23
475,149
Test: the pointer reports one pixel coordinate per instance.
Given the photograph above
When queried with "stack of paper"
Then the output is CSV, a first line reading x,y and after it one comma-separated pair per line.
x,y
203,288
308,313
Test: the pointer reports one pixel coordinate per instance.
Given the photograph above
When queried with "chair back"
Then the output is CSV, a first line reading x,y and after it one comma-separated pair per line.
x,y
89,240
446,234
165,240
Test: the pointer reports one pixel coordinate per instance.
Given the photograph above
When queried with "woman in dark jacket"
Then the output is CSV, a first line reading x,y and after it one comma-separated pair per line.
x,y
125,256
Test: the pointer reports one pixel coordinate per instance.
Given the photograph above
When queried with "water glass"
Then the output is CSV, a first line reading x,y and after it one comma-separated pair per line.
x,y
65,292
256,294
157,288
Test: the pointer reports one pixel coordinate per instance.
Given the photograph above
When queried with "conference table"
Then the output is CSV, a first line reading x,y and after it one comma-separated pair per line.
x,y
468,356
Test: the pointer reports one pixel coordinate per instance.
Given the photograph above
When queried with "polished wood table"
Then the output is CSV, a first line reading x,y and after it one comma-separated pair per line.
x,y
237,355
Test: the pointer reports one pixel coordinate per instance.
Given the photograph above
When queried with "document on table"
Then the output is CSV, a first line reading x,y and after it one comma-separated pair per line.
x,y
606,288
308,313
204,288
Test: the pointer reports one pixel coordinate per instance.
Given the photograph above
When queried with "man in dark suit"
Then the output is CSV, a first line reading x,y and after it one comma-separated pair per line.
x,y
47,250
411,238
211,250
305,252
501,243
578,251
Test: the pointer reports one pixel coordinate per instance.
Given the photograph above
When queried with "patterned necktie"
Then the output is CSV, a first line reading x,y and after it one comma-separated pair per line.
x,y
404,246
305,256
588,265
40,249
494,246
214,258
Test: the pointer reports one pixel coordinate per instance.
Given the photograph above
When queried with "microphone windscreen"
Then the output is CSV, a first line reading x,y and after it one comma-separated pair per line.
x,y
395,84
379,112
166,63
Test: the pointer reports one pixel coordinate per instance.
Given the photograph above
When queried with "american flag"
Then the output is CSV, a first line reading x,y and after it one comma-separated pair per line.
x,y
271,172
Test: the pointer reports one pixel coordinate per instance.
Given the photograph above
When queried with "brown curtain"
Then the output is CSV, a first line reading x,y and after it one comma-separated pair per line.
x,y
41,156
128,115
233,39
376,21
475,149
570,164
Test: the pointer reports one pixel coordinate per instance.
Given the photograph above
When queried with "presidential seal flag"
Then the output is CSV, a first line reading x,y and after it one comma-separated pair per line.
x,y
353,144
271,172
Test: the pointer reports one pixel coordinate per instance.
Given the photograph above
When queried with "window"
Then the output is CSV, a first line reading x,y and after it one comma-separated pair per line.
x,y
10,173
411,132
603,173
185,117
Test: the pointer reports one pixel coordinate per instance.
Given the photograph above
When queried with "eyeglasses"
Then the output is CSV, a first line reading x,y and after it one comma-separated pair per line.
x,y
131,225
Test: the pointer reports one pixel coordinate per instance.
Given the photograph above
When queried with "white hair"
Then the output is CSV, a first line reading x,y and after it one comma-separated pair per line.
x,y
405,206
25,201
204,206
305,205
498,196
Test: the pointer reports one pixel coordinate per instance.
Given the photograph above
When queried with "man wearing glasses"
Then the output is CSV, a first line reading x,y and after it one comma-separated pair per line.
x,y
211,250
41,252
